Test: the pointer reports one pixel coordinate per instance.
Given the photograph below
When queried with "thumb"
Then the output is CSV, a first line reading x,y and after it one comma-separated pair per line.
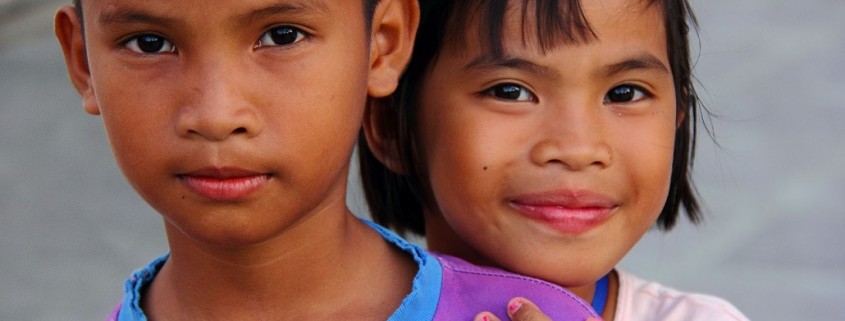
x,y
520,309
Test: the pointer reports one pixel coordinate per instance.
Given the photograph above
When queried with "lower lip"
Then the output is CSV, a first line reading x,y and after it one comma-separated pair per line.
x,y
228,189
572,221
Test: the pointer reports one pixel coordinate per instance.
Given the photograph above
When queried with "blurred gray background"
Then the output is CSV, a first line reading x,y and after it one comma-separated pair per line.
x,y
71,229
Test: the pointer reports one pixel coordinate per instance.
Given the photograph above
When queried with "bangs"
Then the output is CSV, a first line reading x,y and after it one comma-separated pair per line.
x,y
546,23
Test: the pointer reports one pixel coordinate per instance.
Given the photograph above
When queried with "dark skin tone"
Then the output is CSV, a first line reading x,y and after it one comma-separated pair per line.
x,y
548,161
250,185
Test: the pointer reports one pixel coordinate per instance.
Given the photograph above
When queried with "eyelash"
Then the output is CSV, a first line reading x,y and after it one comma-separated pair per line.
x,y
158,42
508,89
147,44
633,92
269,39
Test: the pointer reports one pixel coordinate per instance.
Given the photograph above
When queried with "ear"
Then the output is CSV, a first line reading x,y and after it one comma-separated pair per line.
x,y
393,31
69,32
380,139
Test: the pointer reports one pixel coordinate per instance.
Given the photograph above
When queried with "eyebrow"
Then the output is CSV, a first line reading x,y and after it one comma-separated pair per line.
x,y
289,7
643,61
130,15
488,62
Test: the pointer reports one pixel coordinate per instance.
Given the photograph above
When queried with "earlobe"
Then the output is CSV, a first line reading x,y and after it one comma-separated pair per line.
x,y
393,32
381,144
69,33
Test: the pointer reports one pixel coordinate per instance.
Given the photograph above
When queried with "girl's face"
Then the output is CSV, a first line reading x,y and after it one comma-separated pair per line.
x,y
551,164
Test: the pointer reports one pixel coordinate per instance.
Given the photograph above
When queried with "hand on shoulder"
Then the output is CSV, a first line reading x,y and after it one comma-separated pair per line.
x,y
520,309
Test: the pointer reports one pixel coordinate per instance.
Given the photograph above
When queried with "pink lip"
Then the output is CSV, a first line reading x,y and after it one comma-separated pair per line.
x,y
569,212
224,184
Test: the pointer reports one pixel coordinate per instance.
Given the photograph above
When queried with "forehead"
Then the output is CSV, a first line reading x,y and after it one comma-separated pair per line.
x,y
110,11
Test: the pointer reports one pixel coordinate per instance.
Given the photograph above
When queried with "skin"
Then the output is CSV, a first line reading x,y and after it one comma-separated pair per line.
x,y
559,147
242,143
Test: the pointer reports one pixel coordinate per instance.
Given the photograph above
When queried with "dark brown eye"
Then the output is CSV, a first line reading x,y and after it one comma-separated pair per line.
x,y
509,91
149,44
281,36
625,94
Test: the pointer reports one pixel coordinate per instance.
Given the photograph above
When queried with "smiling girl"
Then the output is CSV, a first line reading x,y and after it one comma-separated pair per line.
x,y
545,137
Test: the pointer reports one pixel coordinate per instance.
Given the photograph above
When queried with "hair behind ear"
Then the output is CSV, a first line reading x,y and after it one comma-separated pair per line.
x,y
678,17
385,170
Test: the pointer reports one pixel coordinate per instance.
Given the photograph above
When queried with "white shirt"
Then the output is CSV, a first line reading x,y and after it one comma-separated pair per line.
x,y
641,300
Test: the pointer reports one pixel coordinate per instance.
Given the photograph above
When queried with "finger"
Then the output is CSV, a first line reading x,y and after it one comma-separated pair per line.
x,y
485,316
520,309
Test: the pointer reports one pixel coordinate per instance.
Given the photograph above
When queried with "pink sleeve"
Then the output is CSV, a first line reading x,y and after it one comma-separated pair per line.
x,y
114,313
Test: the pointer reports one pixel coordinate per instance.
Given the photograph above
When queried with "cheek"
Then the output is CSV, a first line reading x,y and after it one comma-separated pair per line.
x,y
449,151
648,162
466,169
139,150
136,130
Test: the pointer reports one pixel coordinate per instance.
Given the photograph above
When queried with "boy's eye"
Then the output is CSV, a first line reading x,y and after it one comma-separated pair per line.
x,y
625,94
148,44
281,36
511,92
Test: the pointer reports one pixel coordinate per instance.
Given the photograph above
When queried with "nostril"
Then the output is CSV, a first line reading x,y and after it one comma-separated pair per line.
x,y
239,130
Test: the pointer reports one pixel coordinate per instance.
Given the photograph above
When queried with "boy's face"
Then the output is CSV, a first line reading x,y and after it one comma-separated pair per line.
x,y
554,164
233,119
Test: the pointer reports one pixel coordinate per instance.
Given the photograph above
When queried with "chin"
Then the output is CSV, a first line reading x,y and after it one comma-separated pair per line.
x,y
226,231
564,271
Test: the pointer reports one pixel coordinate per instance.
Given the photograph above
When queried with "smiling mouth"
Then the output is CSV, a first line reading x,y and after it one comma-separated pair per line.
x,y
224,184
569,213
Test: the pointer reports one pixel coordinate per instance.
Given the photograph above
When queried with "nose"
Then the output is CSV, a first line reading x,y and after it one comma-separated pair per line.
x,y
219,104
575,139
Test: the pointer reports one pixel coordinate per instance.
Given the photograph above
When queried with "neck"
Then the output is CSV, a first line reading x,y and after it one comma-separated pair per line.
x,y
305,273
587,293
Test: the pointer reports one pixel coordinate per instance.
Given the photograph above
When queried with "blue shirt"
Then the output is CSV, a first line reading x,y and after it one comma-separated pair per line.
x,y
420,304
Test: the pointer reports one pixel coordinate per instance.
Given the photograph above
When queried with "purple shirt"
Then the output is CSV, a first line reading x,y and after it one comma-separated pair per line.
x,y
469,289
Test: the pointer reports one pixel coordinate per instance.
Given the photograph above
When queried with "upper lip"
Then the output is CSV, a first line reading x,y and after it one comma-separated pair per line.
x,y
222,172
566,199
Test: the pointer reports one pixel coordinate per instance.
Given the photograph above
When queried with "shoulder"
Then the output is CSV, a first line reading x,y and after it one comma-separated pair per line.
x,y
645,300
448,288
469,289
421,303
130,309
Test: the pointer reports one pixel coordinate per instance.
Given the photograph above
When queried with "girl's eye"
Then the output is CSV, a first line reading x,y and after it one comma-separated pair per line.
x,y
281,36
150,44
625,94
511,92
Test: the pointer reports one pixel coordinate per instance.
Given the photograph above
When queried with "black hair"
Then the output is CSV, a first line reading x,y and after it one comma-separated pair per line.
x,y
397,201
78,5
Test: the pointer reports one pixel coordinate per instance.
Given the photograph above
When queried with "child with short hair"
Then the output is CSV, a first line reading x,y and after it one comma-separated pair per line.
x,y
235,120
545,137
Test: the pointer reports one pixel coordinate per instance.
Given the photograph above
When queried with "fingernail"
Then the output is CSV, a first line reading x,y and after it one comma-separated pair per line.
x,y
485,318
515,305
